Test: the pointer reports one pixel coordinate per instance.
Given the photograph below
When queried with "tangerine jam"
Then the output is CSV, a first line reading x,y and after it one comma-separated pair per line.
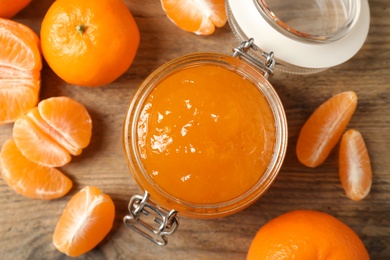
x,y
205,135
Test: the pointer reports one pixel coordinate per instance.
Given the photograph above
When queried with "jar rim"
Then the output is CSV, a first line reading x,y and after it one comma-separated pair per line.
x,y
134,159
296,54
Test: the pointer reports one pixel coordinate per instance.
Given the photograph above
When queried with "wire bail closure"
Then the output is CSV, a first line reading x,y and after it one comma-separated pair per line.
x,y
245,46
167,222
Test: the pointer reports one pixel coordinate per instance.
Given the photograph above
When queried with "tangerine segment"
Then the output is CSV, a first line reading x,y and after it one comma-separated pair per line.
x,y
20,77
89,43
19,46
16,98
323,129
38,146
9,8
42,125
200,17
20,66
21,30
86,220
307,234
354,165
70,120
30,179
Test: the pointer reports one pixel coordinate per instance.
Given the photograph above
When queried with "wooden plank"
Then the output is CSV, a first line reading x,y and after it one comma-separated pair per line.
x,y
26,226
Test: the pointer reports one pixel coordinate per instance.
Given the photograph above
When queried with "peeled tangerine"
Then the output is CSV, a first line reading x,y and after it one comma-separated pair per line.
x,y
354,165
50,133
86,220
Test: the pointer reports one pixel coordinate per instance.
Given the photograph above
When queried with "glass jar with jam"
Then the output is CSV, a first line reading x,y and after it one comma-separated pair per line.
x,y
205,134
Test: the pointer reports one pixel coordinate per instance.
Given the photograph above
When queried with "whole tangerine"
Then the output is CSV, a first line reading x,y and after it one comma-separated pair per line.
x,y
9,8
89,43
306,234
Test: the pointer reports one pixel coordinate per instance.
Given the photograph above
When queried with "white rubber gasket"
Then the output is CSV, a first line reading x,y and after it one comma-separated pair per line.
x,y
290,50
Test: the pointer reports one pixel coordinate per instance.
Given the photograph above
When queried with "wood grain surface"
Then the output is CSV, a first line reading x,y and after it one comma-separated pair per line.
x,y
26,225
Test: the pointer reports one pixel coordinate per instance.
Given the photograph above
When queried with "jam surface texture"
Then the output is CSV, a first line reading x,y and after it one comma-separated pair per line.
x,y
206,134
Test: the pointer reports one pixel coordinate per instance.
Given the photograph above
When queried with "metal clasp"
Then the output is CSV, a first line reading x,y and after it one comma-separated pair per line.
x,y
242,49
167,222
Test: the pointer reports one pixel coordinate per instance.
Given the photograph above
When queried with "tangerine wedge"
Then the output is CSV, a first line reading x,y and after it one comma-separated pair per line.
x,y
200,17
20,66
86,220
53,131
323,129
30,179
354,165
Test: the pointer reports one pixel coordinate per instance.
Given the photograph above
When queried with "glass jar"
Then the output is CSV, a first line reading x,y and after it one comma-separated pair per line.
x,y
306,36
203,197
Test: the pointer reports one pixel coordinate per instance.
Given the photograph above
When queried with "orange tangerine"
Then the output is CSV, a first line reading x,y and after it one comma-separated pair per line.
x,y
307,234
89,43
9,8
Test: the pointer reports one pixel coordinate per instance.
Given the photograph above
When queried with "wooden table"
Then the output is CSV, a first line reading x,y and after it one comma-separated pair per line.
x,y
26,226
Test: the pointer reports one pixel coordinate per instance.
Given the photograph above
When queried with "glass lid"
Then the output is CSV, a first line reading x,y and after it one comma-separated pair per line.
x,y
312,35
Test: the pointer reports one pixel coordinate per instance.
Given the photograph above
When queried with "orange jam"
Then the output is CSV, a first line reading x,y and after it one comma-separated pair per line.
x,y
205,134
